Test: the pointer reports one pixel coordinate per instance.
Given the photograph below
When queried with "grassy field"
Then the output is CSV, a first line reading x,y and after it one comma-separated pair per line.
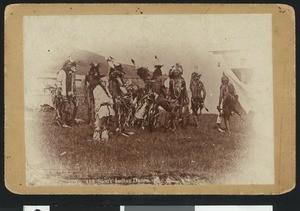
x,y
186,156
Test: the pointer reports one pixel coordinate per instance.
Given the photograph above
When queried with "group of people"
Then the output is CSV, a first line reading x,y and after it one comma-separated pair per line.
x,y
115,103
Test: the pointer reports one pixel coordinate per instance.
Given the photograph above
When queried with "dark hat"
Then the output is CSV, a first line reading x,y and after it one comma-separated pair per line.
x,y
195,74
67,64
93,64
224,78
73,64
177,68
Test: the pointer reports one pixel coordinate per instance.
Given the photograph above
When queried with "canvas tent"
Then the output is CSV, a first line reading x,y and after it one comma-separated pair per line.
x,y
43,73
234,64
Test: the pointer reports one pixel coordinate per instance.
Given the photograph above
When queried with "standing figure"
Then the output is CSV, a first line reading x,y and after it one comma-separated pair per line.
x,y
178,92
157,80
157,71
118,92
116,82
198,95
227,103
66,94
92,79
163,100
146,76
103,110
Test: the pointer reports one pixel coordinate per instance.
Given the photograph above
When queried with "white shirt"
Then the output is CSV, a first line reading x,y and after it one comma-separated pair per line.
x,y
61,82
101,97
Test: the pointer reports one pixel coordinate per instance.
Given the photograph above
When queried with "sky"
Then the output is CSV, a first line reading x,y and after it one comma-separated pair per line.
x,y
186,39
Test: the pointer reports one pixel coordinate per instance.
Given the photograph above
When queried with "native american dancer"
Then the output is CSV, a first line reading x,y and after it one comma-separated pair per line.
x,y
227,103
66,97
120,96
103,110
92,79
178,92
198,95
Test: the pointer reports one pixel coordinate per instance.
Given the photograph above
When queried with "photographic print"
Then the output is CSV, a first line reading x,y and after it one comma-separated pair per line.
x,y
175,100
142,99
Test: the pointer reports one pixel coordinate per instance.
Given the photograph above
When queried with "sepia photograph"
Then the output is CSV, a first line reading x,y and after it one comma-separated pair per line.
x,y
166,99
149,99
